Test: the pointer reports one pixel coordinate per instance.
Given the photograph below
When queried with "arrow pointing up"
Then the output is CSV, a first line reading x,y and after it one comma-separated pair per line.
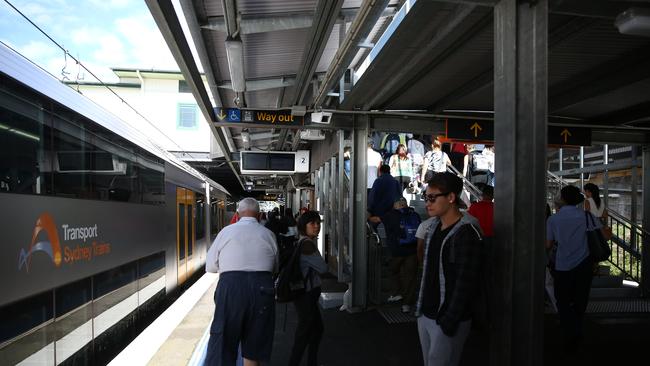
x,y
565,132
476,127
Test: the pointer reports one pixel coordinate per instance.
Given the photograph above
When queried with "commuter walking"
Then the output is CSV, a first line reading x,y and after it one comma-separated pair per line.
x,y
451,273
245,254
385,190
435,161
573,266
310,323
593,203
401,166
401,224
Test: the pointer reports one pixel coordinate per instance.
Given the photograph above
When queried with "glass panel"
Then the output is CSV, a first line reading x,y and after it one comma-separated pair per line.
x,y
27,318
191,228
199,222
24,136
115,296
181,231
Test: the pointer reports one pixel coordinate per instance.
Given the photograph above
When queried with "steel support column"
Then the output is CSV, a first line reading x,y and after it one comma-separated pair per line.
x,y
645,260
520,104
359,209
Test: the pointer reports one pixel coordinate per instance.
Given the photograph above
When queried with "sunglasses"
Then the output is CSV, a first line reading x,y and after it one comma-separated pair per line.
x,y
432,197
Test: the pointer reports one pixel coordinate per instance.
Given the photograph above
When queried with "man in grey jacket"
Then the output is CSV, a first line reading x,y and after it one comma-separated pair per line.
x,y
451,273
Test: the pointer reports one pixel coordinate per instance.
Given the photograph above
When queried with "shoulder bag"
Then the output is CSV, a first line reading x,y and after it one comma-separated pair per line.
x,y
599,249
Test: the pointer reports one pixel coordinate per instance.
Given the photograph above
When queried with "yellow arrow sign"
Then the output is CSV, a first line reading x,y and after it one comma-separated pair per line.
x,y
565,133
221,116
476,127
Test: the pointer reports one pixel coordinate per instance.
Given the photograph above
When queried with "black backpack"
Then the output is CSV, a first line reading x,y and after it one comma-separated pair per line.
x,y
290,283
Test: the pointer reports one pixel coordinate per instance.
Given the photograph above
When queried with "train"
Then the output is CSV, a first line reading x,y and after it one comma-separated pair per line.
x,y
99,225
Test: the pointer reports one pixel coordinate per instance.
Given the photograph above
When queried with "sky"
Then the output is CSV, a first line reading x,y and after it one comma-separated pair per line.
x,y
100,33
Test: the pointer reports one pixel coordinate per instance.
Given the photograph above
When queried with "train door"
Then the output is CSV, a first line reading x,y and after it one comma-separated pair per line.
x,y
185,216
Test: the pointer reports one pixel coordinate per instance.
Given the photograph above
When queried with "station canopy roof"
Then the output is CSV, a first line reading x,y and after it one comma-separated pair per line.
x,y
435,57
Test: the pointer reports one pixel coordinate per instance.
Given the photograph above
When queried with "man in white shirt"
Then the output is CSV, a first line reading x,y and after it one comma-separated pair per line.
x,y
245,254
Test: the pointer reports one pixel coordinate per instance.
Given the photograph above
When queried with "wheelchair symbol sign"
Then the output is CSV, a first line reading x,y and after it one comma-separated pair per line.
x,y
234,115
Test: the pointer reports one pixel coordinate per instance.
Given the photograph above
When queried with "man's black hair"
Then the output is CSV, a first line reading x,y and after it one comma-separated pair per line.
x,y
384,169
571,195
306,218
447,183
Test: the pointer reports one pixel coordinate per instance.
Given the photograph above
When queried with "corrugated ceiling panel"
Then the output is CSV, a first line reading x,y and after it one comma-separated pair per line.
x,y
246,7
596,45
274,53
613,101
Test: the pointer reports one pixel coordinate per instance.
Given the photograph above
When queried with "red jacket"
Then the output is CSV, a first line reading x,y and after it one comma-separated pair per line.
x,y
484,212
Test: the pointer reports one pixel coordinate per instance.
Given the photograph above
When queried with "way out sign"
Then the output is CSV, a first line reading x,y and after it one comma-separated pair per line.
x,y
470,130
281,117
569,136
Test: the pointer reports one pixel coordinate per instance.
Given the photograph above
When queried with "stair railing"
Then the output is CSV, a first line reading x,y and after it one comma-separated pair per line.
x,y
626,245
474,192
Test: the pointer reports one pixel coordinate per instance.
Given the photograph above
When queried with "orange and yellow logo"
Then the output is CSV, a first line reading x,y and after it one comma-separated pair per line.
x,y
50,246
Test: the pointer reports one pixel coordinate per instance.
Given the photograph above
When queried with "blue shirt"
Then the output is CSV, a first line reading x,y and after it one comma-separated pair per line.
x,y
568,227
385,190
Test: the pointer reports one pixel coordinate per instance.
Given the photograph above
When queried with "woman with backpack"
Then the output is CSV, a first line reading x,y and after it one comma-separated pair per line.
x,y
310,323
401,166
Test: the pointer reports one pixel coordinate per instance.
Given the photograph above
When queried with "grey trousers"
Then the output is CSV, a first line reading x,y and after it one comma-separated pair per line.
x,y
439,349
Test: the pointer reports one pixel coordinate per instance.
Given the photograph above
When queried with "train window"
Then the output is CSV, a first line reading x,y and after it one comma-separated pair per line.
x,y
199,221
150,264
46,148
24,136
72,296
113,279
21,316
181,231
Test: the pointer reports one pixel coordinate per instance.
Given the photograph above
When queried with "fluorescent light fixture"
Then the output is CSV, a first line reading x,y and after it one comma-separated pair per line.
x,y
235,54
19,132
634,21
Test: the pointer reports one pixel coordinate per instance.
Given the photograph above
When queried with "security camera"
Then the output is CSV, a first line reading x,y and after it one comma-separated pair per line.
x,y
321,117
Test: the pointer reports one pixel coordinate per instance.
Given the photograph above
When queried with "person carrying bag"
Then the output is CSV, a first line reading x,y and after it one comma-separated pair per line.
x,y
597,239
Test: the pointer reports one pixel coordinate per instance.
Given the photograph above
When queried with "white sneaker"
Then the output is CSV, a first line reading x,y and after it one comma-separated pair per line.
x,y
395,298
406,309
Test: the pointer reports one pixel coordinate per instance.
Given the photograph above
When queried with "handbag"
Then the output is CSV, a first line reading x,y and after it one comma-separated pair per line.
x,y
599,249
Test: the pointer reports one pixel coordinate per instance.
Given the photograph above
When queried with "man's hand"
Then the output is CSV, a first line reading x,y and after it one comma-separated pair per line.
x,y
374,219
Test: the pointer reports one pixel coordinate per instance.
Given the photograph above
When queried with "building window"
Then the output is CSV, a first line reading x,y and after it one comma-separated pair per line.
x,y
187,117
183,87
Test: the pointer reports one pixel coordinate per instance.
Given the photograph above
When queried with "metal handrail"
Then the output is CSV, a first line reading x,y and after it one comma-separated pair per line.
x,y
471,188
626,247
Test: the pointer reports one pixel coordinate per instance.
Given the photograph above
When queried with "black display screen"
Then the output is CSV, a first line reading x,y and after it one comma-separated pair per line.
x,y
268,161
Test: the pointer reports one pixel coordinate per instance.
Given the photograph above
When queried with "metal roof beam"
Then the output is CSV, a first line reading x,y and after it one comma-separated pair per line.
x,y
324,19
262,84
165,17
369,12
454,33
285,21
249,25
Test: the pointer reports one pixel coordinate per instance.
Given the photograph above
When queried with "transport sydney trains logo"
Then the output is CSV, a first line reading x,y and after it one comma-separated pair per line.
x,y
83,243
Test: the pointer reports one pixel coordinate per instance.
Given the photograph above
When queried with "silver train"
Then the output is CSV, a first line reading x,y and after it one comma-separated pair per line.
x,y
99,226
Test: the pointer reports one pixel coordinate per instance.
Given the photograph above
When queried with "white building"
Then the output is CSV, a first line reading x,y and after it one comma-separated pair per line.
x,y
165,100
